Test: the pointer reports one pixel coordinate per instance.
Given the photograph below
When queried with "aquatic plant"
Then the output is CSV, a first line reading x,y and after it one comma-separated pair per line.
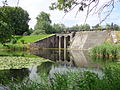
x,y
8,62
106,50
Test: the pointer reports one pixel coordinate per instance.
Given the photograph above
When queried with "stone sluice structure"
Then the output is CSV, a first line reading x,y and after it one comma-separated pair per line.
x,y
80,40
54,41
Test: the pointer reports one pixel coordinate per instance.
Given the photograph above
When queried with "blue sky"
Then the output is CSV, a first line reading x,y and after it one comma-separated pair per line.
x,y
34,7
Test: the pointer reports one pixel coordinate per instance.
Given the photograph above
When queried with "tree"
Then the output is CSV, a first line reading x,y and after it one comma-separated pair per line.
x,y
5,33
112,26
58,28
17,18
90,5
81,27
43,24
85,27
116,27
108,26
97,27
76,27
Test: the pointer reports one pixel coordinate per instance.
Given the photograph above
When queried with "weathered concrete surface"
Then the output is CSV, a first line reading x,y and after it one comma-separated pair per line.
x,y
86,39
79,40
114,37
48,42
79,58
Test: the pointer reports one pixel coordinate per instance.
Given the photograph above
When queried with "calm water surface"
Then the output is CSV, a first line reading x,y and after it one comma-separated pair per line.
x,y
63,61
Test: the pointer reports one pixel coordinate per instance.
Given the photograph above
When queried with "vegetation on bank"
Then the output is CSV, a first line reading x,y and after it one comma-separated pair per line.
x,y
86,80
21,42
106,50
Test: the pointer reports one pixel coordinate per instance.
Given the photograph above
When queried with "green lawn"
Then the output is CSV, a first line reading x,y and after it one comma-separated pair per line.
x,y
26,39
31,38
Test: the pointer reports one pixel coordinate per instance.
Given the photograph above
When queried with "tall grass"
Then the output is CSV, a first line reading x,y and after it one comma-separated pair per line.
x,y
76,81
106,50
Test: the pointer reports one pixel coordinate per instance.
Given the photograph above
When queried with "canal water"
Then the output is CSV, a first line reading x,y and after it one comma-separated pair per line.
x,y
62,61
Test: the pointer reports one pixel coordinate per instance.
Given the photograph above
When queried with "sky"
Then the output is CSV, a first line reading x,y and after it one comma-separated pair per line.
x,y
34,7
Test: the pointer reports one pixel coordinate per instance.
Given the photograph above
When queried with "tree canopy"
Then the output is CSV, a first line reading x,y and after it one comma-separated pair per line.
x,y
57,28
5,32
43,24
17,18
81,27
13,21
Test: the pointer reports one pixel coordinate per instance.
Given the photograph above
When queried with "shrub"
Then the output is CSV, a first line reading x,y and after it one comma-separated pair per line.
x,y
23,41
14,41
106,50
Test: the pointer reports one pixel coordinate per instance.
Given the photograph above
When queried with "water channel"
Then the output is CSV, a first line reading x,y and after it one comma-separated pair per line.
x,y
63,60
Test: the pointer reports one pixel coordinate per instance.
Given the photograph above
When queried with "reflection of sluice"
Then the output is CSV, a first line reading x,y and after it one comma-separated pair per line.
x,y
66,57
73,58
51,54
65,63
79,58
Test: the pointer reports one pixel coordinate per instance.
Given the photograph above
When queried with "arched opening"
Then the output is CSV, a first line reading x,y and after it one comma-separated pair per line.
x,y
62,42
68,41
57,42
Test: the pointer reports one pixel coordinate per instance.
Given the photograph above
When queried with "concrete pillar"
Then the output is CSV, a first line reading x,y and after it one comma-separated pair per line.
x,y
65,53
59,54
59,42
70,38
59,48
65,43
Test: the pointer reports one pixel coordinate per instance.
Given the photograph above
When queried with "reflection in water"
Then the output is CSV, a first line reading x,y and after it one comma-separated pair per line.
x,y
42,70
66,60
72,58
13,75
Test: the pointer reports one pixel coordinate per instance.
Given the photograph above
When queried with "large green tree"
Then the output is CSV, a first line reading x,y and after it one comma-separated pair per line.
x,y
17,18
43,24
57,28
81,27
112,26
97,27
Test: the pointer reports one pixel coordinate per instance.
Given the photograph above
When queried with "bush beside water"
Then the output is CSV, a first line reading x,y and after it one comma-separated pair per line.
x,y
106,50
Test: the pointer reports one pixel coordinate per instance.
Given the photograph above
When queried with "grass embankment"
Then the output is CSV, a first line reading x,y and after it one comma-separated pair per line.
x,y
21,42
110,80
106,50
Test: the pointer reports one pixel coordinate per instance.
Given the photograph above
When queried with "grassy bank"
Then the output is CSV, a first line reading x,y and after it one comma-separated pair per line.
x,y
110,80
106,50
21,42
